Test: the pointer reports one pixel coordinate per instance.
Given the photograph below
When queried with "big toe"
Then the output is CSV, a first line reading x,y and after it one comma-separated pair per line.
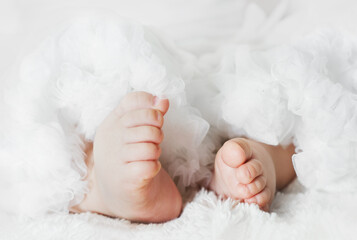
x,y
235,152
161,104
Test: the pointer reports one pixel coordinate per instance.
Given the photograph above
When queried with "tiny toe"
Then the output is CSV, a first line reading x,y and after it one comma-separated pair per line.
x,y
142,117
257,185
141,152
249,171
262,198
143,170
161,104
246,191
143,134
140,100
242,192
233,154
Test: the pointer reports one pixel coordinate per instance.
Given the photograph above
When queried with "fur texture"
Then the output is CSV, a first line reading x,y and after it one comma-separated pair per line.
x,y
297,214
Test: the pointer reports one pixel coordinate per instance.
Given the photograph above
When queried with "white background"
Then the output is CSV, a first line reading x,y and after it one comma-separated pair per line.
x,y
23,23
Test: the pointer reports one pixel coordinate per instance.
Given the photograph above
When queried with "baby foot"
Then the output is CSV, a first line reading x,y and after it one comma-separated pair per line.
x,y
244,170
126,178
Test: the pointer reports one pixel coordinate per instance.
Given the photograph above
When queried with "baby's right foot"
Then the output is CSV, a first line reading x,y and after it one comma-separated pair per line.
x,y
126,179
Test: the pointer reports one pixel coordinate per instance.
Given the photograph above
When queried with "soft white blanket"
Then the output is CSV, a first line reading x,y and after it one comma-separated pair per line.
x,y
296,214
305,78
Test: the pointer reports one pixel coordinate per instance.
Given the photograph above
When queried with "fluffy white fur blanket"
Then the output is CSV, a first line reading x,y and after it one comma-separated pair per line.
x,y
263,81
296,214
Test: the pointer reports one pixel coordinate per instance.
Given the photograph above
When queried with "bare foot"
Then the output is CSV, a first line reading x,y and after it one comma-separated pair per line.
x,y
126,179
244,170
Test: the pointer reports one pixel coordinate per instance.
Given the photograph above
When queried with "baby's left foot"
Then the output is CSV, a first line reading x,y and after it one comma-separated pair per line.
x,y
244,170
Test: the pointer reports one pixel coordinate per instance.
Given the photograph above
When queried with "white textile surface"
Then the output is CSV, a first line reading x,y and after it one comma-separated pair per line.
x,y
296,214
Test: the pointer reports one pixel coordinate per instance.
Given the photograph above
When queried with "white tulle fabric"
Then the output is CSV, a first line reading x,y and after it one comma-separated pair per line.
x,y
303,92
65,90
319,78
